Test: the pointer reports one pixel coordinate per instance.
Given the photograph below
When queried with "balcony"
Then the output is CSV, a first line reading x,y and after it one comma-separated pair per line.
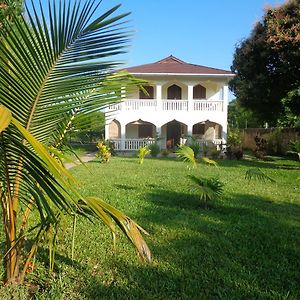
x,y
167,105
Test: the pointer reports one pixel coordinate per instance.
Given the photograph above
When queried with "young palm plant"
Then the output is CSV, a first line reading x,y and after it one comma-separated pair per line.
x,y
295,148
186,154
142,153
53,70
208,188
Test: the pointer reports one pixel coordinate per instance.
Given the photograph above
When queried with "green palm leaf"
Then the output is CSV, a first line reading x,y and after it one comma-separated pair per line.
x,y
256,173
186,154
48,72
53,68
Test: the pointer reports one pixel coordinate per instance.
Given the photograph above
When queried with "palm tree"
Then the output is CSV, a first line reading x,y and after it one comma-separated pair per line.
x,y
53,69
208,188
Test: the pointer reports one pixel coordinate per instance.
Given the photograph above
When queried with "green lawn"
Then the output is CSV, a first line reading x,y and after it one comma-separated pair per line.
x,y
246,246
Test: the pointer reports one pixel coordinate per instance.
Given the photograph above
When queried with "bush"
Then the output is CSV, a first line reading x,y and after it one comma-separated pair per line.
x,y
215,153
234,153
165,152
103,152
233,139
195,146
274,143
155,149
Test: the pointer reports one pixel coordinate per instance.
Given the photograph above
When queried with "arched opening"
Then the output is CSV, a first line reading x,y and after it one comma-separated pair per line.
x,y
140,129
114,129
199,92
174,92
147,93
174,131
207,130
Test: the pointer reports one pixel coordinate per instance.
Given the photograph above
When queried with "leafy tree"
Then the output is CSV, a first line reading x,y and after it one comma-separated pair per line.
x,y
52,71
267,64
240,117
9,10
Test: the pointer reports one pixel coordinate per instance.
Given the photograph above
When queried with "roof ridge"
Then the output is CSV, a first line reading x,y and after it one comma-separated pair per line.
x,y
170,57
208,67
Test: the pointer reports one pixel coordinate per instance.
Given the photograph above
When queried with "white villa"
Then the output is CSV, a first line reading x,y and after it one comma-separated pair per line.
x,y
183,100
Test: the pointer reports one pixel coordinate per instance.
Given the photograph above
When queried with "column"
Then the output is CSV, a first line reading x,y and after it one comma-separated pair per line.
x,y
159,97
189,133
123,136
225,111
158,136
107,137
190,97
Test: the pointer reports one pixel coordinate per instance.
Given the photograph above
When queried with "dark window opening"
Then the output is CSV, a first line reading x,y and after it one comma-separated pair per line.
x,y
199,92
145,130
174,92
149,94
199,128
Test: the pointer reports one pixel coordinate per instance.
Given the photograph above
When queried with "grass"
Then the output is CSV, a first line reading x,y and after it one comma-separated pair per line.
x,y
246,246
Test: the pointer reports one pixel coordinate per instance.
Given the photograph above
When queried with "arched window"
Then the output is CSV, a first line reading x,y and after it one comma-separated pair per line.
x,y
150,92
174,92
199,129
199,92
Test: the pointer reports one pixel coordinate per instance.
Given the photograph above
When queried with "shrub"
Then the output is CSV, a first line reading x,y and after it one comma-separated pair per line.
x,y
103,152
260,150
274,143
233,139
142,153
155,149
165,152
195,146
215,153
295,148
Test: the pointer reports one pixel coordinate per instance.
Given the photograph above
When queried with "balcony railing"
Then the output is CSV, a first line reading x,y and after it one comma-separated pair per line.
x,y
131,144
167,105
134,143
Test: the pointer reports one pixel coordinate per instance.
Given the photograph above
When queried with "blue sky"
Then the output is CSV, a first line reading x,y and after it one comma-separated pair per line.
x,y
196,31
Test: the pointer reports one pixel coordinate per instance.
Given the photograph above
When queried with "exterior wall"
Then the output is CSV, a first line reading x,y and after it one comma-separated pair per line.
x,y
216,90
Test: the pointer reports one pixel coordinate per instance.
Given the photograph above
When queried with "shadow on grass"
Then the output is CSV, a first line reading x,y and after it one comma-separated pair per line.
x,y
245,248
261,164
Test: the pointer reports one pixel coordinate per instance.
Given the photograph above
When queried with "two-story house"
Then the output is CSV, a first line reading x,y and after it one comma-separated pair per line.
x,y
183,100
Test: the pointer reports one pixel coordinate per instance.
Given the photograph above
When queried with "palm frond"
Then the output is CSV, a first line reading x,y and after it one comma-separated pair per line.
x,y
56,64
186,154
209,162
209,188
257,174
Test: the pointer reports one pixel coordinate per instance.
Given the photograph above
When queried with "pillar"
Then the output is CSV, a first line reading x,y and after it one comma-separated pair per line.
x,y
123,136
159,97
107,137
190,97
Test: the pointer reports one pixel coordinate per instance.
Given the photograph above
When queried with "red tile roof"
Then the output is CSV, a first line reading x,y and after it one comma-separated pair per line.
x,y
173,65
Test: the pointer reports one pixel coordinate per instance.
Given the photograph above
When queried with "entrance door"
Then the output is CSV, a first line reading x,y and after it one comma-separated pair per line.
x,y
173,134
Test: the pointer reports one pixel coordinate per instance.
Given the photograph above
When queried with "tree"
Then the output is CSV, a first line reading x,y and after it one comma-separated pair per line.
x,y
240,117
52,71
267,64
9,10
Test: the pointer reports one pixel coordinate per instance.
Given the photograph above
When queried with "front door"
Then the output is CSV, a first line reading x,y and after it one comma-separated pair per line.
x,y
173,134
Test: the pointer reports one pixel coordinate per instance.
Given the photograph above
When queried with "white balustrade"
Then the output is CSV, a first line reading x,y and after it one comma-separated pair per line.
x,y
206,105
167,105
140,104
132,144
